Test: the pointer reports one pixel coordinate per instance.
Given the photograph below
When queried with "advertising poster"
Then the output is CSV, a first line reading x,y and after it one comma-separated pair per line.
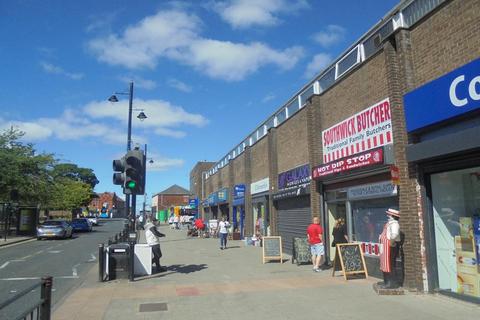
x,y
368,129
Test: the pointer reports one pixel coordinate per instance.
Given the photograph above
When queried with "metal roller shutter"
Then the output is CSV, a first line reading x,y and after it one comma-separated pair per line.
x,y
294,216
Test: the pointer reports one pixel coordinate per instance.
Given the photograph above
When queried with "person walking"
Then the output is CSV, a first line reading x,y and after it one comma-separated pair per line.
x,y
152,236
339,232
314,236
223,232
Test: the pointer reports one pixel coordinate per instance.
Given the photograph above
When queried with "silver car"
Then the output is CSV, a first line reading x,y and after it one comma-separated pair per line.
x,y
54,229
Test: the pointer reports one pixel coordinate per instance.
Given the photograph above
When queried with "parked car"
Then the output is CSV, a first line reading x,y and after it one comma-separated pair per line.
x,y
54,229
81,224
93,220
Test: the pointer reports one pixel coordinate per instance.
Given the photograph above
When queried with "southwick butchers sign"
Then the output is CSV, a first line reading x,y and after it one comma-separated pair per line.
x,y
368,129
364,159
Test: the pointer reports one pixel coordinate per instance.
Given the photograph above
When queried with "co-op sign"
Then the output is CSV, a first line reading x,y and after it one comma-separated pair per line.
x,y
451,95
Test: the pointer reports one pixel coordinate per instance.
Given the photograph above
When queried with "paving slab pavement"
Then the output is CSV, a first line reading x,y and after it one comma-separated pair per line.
x,y
204,282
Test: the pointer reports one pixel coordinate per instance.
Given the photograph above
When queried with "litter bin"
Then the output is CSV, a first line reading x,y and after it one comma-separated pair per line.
x,y
118,261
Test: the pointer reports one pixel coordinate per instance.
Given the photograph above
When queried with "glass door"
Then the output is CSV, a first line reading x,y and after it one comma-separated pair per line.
x,y
456,220
335,211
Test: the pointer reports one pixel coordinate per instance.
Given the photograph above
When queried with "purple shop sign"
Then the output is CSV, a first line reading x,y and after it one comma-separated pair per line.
x,y
297,176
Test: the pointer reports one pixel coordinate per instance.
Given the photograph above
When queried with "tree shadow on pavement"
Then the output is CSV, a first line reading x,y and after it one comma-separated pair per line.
x,y
189,268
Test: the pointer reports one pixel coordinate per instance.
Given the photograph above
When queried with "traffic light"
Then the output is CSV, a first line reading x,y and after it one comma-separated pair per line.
x,y
119,171
134,172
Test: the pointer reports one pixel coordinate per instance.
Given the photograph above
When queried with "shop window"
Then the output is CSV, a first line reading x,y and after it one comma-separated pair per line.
x,y
456,215
368,218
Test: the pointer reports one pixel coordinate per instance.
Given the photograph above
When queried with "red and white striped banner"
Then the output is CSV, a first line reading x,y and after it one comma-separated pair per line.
x,y
368,129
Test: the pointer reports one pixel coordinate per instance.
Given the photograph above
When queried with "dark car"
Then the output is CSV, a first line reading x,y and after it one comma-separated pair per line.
x,y
81,224
54,229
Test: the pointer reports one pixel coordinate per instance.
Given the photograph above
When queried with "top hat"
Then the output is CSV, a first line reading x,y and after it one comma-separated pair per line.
x,y
393,212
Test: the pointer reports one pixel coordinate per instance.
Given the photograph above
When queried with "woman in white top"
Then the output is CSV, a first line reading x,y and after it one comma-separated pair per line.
x,y
223,231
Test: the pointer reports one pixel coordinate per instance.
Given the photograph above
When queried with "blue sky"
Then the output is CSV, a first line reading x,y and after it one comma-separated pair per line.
x,y
206,73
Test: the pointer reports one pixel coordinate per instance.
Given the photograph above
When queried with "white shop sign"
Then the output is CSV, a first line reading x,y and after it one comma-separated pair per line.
x,y
374,190
260,186
368,129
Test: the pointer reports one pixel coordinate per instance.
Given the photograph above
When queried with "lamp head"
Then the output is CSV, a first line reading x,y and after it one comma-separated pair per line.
x,y
113,98
142,116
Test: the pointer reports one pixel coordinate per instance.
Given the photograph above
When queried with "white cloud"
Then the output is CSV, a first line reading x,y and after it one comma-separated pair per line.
x,y
175,35
242,14
106,122
162,163
140,45
179,85
69,126
332,35
319,62
233,61
52,69
163,117
140,82
268,97
33,131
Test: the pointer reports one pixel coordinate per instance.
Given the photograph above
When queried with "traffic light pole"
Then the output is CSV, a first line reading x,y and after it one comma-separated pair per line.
x,y
130,216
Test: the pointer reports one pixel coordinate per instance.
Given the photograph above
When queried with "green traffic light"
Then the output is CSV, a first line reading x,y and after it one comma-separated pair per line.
x,y
131,184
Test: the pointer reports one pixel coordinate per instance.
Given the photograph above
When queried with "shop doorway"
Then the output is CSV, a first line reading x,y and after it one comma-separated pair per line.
x,y
335,211
456,222
261,221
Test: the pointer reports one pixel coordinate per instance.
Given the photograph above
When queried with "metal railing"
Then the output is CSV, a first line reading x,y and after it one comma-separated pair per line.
x,y
41,309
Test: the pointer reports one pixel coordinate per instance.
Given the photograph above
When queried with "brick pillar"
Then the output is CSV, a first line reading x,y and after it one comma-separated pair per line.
x,y
231,179
314,133
400,77
273,176
248,196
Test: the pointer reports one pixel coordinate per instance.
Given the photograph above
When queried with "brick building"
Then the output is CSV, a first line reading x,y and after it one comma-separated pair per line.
x,y
170,197
334,147
110,201
197,187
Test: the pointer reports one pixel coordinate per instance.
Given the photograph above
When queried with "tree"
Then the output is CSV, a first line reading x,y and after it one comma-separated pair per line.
x,y
69,194
24,170
39,178
72,171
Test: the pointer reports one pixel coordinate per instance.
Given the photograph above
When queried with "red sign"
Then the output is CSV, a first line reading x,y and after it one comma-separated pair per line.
x,y
359,160
395,173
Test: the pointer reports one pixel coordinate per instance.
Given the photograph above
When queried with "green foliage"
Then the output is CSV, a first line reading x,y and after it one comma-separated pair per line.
x,y
72,171
39,178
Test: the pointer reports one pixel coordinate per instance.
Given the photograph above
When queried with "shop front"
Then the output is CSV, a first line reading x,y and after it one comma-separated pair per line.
x,y
355,180
260,210
292,202
443,118
222,202
212,206
238,211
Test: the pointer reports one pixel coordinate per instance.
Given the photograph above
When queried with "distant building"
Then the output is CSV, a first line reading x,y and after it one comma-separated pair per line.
x,y
110,201
170,197
197,181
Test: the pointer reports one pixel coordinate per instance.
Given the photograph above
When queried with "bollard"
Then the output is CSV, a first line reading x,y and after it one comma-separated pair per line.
x,y
115,238
101,262
46,296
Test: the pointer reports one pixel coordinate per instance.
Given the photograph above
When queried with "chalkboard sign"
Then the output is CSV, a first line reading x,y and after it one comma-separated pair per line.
x,y
272,248
301,251
350,256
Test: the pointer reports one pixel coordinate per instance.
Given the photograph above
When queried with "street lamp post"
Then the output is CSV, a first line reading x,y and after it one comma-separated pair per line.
x,y
130,208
